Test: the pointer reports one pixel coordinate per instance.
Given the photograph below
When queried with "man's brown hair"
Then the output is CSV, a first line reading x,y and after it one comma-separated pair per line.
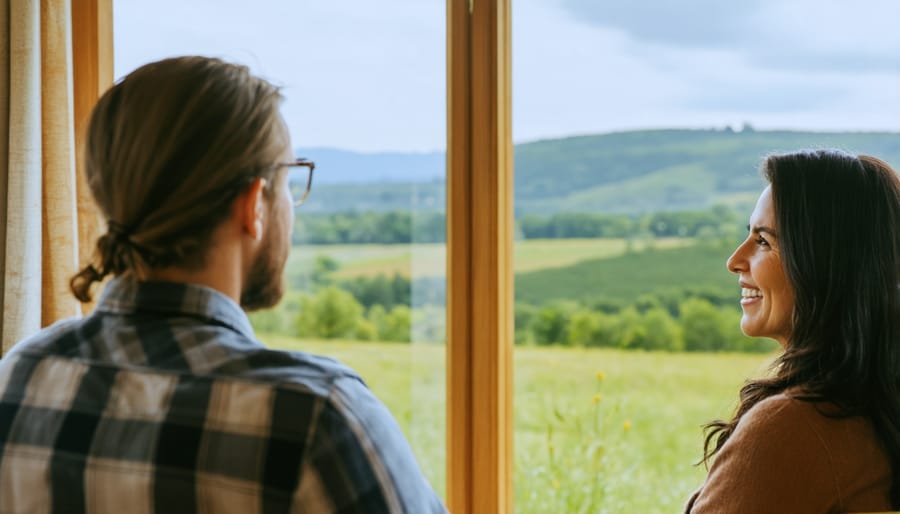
x,y
168,150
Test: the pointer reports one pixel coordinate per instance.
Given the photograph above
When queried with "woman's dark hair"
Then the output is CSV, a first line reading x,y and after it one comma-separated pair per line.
x,y
837,217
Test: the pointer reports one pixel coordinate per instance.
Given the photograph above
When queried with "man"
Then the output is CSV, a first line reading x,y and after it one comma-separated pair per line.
x,y
162,400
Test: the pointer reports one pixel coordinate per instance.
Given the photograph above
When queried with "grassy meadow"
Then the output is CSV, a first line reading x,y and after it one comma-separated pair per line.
x,y
429,259
625,276
596,430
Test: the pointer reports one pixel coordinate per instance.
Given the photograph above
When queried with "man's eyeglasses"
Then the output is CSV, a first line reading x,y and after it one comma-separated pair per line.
x,y
300,175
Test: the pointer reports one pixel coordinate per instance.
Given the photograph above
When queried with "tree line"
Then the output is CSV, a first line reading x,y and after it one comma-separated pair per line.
x,y
404,227
381,308
697,325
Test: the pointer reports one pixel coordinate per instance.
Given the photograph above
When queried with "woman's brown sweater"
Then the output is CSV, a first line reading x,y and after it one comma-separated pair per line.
x,y
786,456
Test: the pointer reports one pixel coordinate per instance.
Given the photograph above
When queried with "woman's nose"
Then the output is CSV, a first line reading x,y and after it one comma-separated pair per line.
x,y
737,263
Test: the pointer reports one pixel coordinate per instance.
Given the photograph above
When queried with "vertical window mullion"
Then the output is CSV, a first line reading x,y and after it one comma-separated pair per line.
x,y
92,66
479,273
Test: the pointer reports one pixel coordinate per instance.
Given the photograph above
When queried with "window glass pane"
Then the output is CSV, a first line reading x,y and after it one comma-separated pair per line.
x,y
639,129
364,91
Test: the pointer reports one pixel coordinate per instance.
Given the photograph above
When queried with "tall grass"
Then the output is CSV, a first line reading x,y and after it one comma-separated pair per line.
x,y
596,430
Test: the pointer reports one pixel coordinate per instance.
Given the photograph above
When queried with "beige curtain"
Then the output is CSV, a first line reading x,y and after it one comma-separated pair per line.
x,y
38,199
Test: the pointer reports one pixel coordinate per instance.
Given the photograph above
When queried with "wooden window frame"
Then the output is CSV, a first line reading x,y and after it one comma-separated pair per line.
x,y
92,75
479,258
479,234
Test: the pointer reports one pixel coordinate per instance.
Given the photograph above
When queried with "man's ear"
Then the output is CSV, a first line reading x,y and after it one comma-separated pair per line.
x,y
250,208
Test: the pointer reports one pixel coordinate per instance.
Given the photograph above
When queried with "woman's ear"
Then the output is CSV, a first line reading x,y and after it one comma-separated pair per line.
x,y
250,208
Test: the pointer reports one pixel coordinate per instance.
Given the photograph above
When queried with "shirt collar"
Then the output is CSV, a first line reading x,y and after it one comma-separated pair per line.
x,y
126,295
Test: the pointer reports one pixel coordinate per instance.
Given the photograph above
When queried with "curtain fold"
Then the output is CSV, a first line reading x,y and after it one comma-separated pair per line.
x,y
40,231
4,146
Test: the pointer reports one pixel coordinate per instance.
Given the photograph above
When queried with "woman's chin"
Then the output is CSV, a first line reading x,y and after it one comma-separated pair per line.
x,y
747,327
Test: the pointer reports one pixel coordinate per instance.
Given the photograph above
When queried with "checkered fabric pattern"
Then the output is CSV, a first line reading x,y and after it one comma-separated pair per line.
x,y
163,401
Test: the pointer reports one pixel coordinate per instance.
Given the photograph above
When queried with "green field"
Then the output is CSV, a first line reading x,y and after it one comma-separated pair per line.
x,y
429,259
623,440
551,269
625,277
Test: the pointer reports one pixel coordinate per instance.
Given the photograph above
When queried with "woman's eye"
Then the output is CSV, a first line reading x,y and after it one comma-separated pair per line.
x,y
761,241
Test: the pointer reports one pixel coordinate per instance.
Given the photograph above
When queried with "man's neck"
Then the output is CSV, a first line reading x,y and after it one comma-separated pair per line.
x,y
219,276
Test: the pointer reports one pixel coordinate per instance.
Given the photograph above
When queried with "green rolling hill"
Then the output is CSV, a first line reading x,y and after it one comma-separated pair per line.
x,y
698,268
667,170
624,172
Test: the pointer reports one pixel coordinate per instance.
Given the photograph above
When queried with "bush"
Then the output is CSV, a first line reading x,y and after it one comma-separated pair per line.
x,y
583,327
394,325
365,331
278,319
629,332
524,315
397,325
332,313
705,330
592,329
550,324
377,316
662,332
737,341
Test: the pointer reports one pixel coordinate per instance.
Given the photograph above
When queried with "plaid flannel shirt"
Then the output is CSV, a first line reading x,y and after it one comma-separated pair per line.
x,y
163,401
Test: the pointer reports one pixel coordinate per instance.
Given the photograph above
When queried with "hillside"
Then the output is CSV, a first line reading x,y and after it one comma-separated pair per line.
x,y
624,172
626,277
664,169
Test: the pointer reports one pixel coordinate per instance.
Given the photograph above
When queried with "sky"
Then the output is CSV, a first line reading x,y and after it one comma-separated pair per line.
x,y
361,76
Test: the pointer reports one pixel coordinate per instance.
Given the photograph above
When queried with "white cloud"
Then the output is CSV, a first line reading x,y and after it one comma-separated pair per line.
x,y
799,34
362,76
699,23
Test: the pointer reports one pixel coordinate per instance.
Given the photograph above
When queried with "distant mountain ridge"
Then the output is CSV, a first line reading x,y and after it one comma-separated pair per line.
x,y
623,172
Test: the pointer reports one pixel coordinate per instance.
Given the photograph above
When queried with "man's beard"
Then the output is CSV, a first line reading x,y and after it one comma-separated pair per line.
x,y
264,284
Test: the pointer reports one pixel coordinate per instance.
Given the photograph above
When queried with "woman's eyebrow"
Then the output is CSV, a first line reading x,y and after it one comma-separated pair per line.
x,y
763,228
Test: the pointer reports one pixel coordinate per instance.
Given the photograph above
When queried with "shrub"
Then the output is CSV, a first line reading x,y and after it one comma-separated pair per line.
x,y
397,325
550,324
704,328
524,314
332,313
629,332
593,329
662,332
365,331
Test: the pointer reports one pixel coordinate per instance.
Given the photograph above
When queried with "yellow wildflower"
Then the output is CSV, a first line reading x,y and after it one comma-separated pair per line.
x,y
600,376
627,425
597,398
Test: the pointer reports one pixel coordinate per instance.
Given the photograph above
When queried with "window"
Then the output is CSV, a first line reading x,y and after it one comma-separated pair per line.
x,y
364,99
639,130
781,76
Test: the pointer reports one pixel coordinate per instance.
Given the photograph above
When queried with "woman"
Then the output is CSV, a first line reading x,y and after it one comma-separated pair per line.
x,y
819,272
